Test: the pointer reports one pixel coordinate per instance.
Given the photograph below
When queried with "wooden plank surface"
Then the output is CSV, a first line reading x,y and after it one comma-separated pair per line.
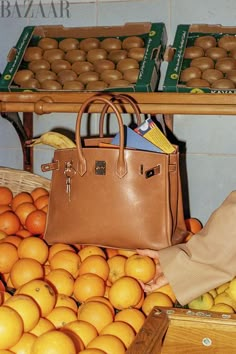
x,y
161,102
184,331
149,338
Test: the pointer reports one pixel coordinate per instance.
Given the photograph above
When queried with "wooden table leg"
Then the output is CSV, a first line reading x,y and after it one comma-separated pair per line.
x,y
28,151
169,121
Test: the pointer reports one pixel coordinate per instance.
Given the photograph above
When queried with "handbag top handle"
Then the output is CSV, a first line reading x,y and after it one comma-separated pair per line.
x,y
122,98
121,164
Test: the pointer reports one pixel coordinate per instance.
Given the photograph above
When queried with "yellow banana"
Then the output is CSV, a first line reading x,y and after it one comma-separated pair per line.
x,y
53,139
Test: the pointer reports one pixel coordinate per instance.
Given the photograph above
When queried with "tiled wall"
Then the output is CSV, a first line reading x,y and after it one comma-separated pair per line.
x,y
209,140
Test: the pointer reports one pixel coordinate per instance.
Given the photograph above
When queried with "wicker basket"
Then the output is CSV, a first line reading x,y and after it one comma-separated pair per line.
x,y
21,181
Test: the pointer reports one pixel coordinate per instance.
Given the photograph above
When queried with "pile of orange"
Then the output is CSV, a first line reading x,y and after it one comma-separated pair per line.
x,y
64,298
67,300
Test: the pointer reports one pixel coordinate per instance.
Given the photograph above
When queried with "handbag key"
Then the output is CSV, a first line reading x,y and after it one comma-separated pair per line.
x,y
69,172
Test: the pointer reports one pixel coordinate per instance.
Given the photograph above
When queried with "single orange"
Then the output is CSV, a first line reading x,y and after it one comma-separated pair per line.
x,y
223,308
62,280
155,299
126,253
95,264
6,195
36,222
104,300
24,345
88,285
85,330
23,233
42,292
111,252
79,345
41,202
33,247
122,330
54,342
140,267
109,343
38,192
134,317
9,222
67,260
20,198
27,308
193,224
56,247
11,327
61,315
116,267
8,256
23,210
67,301
4,207
43,326
125,292
167,289
96,313
13,239
89,251
25,270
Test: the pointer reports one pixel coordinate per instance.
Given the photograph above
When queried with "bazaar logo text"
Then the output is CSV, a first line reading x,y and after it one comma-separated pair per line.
x,y
34,9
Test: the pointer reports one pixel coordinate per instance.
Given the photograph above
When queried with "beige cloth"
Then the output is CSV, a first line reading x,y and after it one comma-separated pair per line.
x,y
208,259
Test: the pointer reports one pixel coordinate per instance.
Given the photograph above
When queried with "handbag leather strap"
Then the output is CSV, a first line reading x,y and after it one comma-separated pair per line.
x,y
122,98
121,169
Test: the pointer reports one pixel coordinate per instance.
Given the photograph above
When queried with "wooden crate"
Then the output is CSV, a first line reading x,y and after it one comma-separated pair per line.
x,y
184,331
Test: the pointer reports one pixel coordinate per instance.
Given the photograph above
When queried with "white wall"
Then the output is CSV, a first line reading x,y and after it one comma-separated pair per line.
x,y
210,143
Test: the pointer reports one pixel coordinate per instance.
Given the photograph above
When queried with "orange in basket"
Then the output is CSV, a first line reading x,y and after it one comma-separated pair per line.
x,y
38,192
36,222
23,210
9,222
20,198
6,195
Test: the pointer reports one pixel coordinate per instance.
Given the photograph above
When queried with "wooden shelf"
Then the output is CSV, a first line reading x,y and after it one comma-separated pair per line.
x,y
164,103
160,102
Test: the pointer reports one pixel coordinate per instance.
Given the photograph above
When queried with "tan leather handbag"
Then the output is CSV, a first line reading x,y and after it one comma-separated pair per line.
x,y
121,198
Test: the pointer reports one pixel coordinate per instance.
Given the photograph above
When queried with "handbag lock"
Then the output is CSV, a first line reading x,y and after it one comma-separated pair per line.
x,y
100,168
153,171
